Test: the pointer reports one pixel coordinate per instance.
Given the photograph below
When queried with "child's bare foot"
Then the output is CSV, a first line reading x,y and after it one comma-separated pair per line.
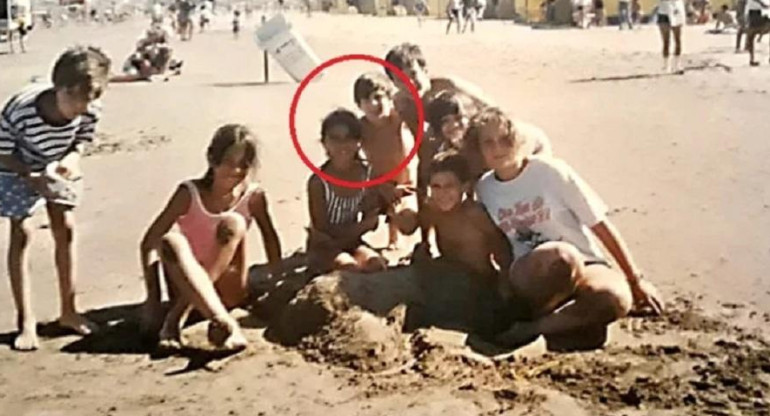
x,y
77,323
168,342
170,335
226,334
27,339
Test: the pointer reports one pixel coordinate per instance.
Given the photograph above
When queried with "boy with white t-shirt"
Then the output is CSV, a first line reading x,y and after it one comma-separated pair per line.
x,y
554,221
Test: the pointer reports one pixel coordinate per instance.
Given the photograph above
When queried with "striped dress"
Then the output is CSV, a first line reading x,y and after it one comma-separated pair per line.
x,y
35,143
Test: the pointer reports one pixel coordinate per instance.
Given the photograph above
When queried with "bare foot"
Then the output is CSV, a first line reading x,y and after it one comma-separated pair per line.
x,y
77,323
226,334
170,335
26,340
169,343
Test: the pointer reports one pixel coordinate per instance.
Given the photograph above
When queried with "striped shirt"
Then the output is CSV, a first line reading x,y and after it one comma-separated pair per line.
x,y
34,142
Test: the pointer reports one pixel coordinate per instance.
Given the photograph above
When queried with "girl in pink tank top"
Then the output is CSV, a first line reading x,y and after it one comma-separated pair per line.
x,y
199,240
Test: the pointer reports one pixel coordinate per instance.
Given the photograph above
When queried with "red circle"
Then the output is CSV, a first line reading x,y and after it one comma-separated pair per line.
x,y
371,182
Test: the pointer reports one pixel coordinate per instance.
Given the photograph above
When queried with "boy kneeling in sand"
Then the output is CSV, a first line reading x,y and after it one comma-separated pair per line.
x,y
384,146
465,234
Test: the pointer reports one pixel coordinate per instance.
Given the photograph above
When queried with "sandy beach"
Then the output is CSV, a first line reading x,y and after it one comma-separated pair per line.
x,y
680,160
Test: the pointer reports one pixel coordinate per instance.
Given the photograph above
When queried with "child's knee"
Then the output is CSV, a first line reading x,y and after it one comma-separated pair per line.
x,y
21,232
375,264
406,221
557,258
170,246
611,303
232,226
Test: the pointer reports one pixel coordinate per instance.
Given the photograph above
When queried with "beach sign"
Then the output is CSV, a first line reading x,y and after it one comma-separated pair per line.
x,y
287,46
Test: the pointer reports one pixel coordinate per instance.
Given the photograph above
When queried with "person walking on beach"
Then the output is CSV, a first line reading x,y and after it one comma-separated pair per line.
x,y
624,14
671,18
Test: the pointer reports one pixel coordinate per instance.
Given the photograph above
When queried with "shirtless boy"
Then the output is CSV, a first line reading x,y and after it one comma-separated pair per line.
x,y
385,148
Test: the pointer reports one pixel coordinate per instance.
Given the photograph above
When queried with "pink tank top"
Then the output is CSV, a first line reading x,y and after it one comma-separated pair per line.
x,y
199,226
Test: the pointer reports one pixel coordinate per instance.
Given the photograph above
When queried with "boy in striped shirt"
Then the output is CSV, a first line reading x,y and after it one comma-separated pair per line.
x,y
43,129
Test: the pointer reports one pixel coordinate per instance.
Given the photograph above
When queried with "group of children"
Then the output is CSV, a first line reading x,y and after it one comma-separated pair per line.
x,y
500,206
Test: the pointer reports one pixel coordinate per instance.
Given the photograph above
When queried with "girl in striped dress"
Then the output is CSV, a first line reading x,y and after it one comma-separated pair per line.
x,y
341,216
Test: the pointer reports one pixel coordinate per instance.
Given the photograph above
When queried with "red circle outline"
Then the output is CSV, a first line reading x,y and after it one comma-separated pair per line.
x,y
371,182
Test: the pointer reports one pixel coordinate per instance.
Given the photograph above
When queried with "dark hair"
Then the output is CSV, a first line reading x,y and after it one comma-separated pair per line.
x,y
371,82
444,104
402,56
83,67
224,138
344,118
483,118
453,162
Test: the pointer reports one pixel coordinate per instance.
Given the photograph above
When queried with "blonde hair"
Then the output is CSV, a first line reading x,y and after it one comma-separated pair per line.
x,y
487,116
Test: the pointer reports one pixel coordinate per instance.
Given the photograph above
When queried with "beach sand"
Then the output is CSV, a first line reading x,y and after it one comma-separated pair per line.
x,y
680,160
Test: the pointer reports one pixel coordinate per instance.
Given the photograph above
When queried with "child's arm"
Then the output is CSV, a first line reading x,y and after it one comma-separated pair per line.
x,y
69,166
591,211
606,232
502,252
176,207
258,208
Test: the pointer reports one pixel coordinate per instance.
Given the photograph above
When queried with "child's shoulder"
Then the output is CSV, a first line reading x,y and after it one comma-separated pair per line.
x,y
24,100
473,209
550,165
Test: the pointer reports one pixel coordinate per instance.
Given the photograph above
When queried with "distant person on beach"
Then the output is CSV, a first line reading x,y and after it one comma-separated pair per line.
x,y
153,57
758,22
740,16
470,9
198,243
43,131
725,19
624,14
599,16
185,9
341,216
205,16
236,23
636,12
671,18
385,148
553,219
454,12
421,10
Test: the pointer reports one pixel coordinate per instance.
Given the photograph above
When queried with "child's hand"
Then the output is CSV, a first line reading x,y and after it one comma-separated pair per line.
x,y
646,296
69,167
40,183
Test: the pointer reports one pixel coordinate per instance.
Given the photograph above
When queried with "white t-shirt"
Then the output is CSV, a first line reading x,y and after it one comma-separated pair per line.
x,y
675,11
548,201
755,5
